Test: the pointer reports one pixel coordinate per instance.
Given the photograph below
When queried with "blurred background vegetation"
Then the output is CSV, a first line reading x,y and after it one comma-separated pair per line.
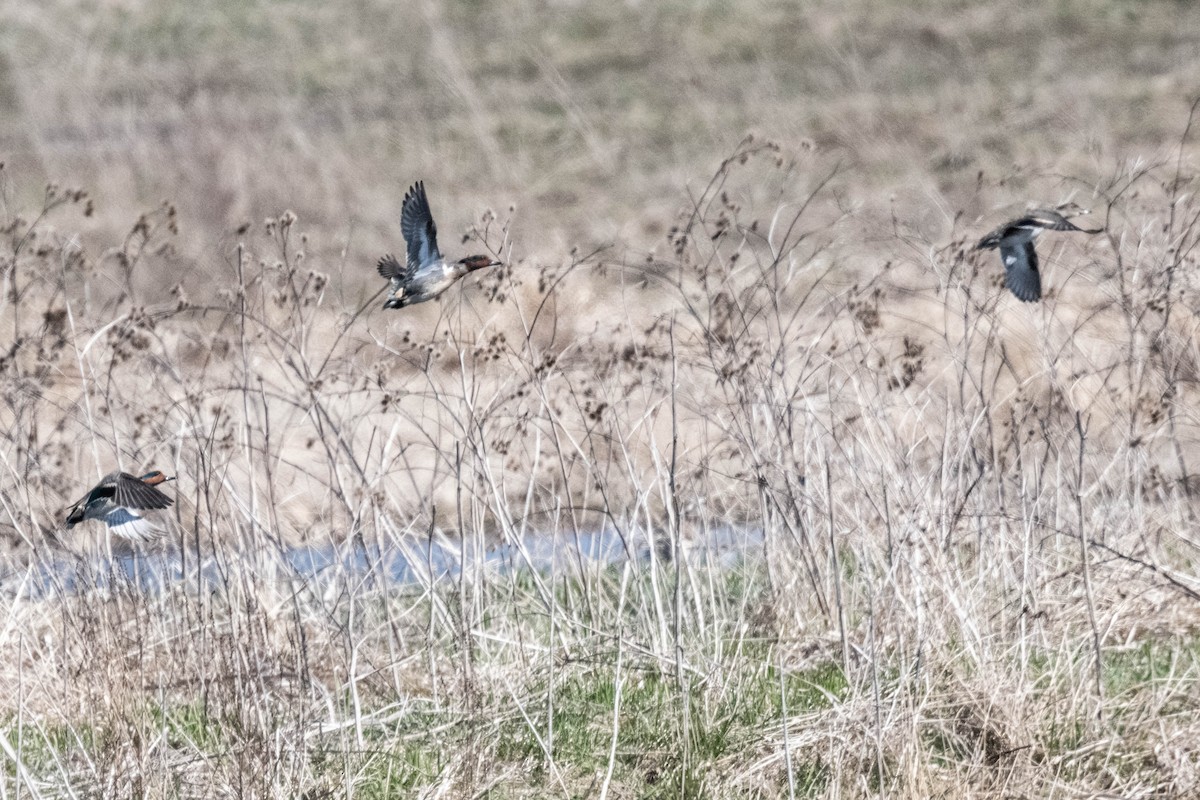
x,y
591,118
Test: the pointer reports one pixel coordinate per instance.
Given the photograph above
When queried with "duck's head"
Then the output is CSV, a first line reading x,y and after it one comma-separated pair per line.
x,y
473,263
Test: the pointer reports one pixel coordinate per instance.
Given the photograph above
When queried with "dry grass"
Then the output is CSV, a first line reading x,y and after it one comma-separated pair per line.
x,y
976,574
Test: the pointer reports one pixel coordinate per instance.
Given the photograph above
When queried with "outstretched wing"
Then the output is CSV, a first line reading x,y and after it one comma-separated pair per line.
x,y
420,233
133,493
391,269
1021,270
1052,221
129,525
1030,225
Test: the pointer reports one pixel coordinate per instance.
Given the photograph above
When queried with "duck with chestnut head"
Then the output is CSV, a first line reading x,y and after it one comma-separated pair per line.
x,y
122,501
427,273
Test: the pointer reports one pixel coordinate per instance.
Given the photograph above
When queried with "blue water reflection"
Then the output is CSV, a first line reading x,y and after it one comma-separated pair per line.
x,y
407,562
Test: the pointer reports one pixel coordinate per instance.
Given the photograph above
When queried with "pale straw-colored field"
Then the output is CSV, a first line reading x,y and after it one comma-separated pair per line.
x,y
739,293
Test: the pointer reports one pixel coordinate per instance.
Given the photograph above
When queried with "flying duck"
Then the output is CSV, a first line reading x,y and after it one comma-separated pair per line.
x,y
427,273
119,499
1015,240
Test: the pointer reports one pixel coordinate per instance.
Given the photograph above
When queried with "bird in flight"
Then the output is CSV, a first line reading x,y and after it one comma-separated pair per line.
x,y
1015,240
120,500
427,273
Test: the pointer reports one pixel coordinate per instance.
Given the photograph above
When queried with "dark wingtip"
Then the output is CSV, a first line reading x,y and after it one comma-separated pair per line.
x,y
1026,293
388,266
